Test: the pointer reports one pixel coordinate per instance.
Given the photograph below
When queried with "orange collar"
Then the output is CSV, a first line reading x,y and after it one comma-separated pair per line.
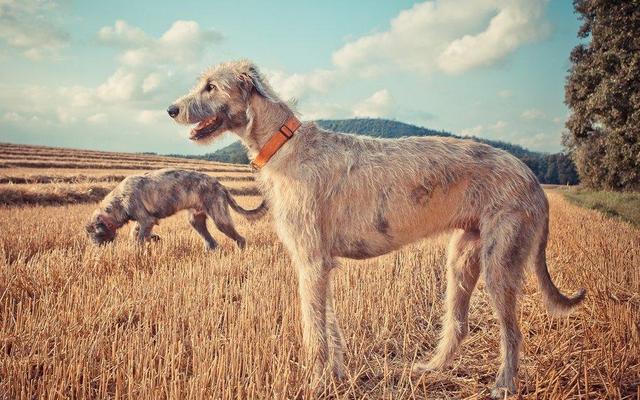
x,y
276,141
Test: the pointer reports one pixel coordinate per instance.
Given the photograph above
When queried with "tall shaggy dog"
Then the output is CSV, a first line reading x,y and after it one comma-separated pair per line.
x,y
340,195
159,194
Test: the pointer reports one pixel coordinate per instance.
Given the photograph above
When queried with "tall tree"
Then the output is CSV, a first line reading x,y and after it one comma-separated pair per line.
x,y
603,92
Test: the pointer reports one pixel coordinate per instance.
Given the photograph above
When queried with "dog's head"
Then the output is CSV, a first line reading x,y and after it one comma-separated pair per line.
x,y
100,228
221,101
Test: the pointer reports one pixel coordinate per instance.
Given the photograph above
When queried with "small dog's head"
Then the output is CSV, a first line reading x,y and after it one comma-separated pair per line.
x,y
221,100
101,228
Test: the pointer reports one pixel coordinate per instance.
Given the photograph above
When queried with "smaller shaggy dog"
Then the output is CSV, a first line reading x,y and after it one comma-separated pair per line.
x,y
159,194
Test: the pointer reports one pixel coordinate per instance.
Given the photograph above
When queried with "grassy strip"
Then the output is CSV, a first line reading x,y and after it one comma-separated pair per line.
x,y
622,205
89,165
81,178
33,179
62,194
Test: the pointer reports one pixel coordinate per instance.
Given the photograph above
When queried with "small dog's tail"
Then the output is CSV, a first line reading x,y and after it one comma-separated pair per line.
x,y
557,304
251,215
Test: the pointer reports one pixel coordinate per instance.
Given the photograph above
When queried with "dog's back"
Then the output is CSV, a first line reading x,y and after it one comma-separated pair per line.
x,y
166,191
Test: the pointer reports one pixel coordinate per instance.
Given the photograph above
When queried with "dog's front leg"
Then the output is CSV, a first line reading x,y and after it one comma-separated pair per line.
x,y
336,341
144,230
135,231
313,284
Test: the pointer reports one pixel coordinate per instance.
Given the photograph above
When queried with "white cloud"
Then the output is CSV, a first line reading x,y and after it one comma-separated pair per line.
x,y
542,141
446,35
527,135
66,116
183,43
438,35
482,130
123,34
147,64
151,82
533,113
120,86
313,111
298,85
27,25
149,117
98,118
498,125
473,131
78,96
377,105
516,23
12,116
136,91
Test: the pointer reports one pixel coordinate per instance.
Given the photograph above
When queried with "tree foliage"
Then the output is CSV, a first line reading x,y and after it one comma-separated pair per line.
x,y
603,92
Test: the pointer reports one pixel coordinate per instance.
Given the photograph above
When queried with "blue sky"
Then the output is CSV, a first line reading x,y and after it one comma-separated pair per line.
x,y
100,74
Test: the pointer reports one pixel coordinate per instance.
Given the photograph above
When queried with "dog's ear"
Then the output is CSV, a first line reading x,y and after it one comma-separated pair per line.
x,y
250,77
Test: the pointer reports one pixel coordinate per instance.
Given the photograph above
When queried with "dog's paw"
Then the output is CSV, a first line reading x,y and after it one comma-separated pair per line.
x,y
210,247
419,369
502,392
435,364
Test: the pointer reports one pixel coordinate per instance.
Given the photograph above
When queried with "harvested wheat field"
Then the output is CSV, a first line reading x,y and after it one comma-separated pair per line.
x,y
171,321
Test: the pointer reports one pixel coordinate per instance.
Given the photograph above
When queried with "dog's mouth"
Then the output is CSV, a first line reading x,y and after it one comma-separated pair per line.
x,y
206,128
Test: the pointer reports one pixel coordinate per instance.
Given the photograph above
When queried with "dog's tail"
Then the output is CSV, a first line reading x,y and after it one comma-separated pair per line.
x,y
251,215
557,304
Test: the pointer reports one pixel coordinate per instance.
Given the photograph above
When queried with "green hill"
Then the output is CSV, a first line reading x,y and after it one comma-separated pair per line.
x,y
549,168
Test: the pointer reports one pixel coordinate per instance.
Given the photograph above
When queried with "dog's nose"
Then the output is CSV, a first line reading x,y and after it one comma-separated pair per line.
x,y
173,110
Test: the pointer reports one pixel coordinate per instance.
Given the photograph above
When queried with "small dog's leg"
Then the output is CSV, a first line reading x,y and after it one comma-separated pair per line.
x,y
145,230
463,269
198,221
135,231
220,216
230,231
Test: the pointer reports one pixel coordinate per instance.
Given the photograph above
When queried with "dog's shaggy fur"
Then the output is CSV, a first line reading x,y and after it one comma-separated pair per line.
x,y
340,195
159,194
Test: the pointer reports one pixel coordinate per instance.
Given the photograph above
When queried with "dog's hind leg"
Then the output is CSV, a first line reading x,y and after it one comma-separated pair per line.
x,y
506,246
463,269
219,213
198,221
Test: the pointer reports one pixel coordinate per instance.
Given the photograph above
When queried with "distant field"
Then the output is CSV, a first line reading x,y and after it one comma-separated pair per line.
x,y
53,176
170,321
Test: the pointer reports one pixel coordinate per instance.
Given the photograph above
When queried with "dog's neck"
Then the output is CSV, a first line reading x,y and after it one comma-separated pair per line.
x,y
267,118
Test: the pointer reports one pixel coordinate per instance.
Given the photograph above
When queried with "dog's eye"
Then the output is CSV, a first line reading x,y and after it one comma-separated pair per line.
x,y
211,87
